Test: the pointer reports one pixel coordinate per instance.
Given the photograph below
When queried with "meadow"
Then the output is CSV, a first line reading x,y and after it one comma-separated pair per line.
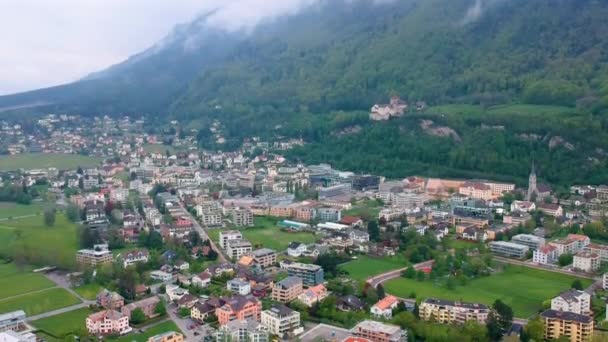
x,y
45,160
267,234
89,291
364,266
10,209
143,337
39,302
61,326
524,289
38,244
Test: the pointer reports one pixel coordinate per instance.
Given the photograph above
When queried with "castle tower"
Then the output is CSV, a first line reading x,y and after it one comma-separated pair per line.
x,y
532,184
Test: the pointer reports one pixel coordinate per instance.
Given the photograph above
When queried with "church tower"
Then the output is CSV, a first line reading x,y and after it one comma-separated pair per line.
x,y
531,184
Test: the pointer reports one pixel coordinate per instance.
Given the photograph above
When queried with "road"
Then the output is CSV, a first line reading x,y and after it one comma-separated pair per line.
x,y
539,267
182,324
381,278
203,233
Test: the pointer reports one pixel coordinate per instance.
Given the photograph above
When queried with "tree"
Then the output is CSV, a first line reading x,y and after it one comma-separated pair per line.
x,y
373,231
138,316
577,284
409,273
49,216
565,259
533,331
160,308
499,320
72,212
420,276
475,331
380,291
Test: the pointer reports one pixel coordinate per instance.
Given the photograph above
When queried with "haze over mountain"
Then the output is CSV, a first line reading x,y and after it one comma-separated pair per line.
x,y
291,75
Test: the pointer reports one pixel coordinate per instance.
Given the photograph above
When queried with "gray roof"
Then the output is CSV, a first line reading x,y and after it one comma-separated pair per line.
x,y
566,315
290,282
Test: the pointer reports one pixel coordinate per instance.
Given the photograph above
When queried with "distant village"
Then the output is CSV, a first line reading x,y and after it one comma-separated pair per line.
x,y
188,223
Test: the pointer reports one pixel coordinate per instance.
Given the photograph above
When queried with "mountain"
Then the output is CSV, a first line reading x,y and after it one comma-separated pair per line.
x,y
316,73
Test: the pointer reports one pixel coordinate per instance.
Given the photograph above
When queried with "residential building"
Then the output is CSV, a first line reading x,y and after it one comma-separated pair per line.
x,y
358,236
169,336
571,244
296,249
228,235
476,190
239,308
545,255
379,332
165,277
572,300
200,310
309,273
11,336
586,261
202,279
175,293
446,311
313,295
110,300
551,209
242,217
350,303
508,249
384,307
281,320
265,257
242,331
238,248
147,305
532,241
559,323
329,214
523,206
107,322
605,281
336,190
239,286
133,257
601,250
99,255
287,289
13,321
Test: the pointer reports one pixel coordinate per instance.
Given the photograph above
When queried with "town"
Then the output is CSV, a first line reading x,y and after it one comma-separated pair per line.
x,y
109,230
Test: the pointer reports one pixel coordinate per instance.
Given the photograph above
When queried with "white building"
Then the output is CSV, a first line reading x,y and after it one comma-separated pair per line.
x,y
523,206
296,249
228,235
384,307
545,255
239,286
161,276
605,281
281,320
586,261
237,248
107,322
572,301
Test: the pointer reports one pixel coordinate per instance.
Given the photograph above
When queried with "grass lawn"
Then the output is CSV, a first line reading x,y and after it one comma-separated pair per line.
x,y
266,233
159,148
367,208
45,160
21,283
89,291
524,289
60,326
40,244
39,302
143,337
9,209
461,244
365,267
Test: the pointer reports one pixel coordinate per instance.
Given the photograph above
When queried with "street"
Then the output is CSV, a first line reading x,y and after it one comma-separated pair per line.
x,y
381,278
203,233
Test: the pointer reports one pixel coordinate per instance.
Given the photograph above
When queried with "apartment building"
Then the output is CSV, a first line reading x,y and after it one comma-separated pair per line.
x,y
446,311
169,336
559,323
147,305
242,331
242,217
265,257
313,295
239,286
384,308
379,332
228,235
107,322
329,214
287,289
99,255
571,244
532,241
309,273
110,300
237,248
586,261
572,300
508,249
476,190
601,250
280,320
239,308
133,257
545,255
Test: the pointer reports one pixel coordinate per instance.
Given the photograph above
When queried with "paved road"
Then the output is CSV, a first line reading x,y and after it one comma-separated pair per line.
x,y
381,278
181,323
62,281
540,267
57,312
203,233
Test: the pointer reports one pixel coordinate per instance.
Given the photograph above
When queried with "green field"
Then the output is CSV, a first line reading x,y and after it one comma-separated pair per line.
x,y
89,291
60,326
45,160
501,110
9,209
266,233
143,337
39,302
524,289
18,283
365,267
160,148
365,209
39,244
